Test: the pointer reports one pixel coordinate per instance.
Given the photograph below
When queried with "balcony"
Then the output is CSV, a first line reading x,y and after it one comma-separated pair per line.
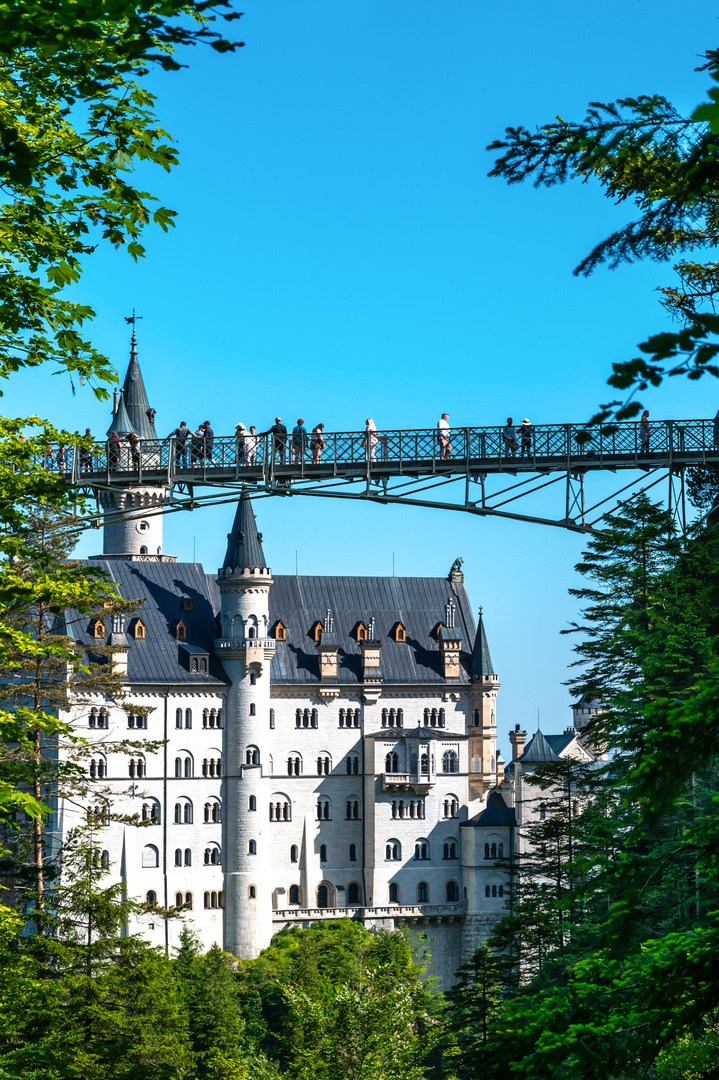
x,y
397,781
411,913
244,643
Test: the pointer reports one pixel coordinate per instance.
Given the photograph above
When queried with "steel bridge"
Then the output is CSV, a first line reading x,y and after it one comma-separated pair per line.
x,y
410,467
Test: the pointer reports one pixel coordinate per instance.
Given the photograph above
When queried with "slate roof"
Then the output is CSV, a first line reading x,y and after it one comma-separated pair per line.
x,y
244,542
560,742
538,749
134,399
418,732
418,603
497,814
299,602
121,423
158,658
481,660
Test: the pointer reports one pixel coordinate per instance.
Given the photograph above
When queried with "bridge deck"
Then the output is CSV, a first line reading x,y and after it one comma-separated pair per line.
x,y
347,455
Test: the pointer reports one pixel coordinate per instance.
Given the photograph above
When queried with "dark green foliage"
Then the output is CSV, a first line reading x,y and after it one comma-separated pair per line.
x,y
473,1006
702,485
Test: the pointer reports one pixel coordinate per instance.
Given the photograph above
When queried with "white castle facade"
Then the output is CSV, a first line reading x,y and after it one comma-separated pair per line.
x,y
327,745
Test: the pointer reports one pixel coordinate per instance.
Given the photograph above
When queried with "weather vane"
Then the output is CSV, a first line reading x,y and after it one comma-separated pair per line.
x,y
132,318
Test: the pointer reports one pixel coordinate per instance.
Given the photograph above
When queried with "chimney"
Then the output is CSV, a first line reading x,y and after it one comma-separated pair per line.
x,y
517,738
327,649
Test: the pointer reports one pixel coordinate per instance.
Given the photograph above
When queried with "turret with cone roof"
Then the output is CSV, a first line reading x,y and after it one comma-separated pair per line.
x,y
244,543
132,407
483,722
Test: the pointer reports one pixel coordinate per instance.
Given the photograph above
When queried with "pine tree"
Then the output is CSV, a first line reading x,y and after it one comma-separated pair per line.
x,y
86,1001
473,1006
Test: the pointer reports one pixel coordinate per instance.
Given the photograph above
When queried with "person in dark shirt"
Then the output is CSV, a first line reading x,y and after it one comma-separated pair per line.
x,y
209,442
278,431
181,434
299,441
114,448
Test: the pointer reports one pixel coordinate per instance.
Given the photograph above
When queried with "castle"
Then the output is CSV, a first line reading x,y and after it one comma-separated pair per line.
x,y
328,744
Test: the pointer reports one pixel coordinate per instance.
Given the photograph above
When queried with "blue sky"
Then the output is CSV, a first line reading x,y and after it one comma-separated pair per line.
x,y
340,252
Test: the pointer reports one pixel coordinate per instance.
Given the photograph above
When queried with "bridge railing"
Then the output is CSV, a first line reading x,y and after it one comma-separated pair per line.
x,y
549,443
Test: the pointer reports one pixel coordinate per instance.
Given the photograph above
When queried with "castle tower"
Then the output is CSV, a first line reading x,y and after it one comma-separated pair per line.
x,y
482,717
246,651
133,535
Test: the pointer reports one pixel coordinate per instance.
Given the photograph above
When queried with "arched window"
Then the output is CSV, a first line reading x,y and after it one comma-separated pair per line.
x,y
188,901
486,851
324,809
450,849
324,765
393,850
105,860
188,857
315,718
476,717
252,847
391,762
252,803
353,853
500,851
353,893
213,899
188,718
451,806
213,811
178,718
150,856
323,896
252,892
178,856
450,761
424,764
280,808
151,812
493,851
252,756
487,891
494,890
294,853
178,899
542,813
188,768
251,632
501,890
452,892
352,810
294,765
151,897
272,719
323,852
294,895
207,899
213,855
253,709
421,850
352,766
394,893
422,892
253,678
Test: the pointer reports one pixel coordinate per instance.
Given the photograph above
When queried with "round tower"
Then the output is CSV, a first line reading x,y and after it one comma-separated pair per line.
x,y
133,523
246,651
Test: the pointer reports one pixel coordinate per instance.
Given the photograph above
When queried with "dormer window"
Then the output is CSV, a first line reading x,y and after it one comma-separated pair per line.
x,y
438,630
138,630
186,603
97,628
316,631
361,632
399,632
279,631
180,631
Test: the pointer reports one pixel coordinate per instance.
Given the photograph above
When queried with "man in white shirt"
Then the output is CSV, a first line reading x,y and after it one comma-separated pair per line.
x,y
444,435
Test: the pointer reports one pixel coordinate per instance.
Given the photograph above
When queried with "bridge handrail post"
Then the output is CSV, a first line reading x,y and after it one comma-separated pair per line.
x,y
139,463
334,453
74,470
670,440
170,459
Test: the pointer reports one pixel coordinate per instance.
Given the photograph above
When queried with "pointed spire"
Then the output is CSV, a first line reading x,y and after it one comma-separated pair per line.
x,y
244,543
121,422
481,660
538,749
134,398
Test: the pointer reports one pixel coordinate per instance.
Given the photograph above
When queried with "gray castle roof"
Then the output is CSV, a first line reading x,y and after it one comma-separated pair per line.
x,y
244,542
299,602
134,401
418,603
121,423
481,660
539,749
496,815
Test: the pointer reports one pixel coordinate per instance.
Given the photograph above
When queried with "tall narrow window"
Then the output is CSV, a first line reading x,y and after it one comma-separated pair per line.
x,y
272,719
178,718
353,853
188,718
188,857
252,803
323,853
293,853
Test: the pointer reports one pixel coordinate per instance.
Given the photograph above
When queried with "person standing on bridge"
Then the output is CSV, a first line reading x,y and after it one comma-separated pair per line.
x,y
527,431
251,445
371,439
134,440
299,442
444,437
114,449
181,434
86,453
317,443
278,431
241,436
644,432
509,435
209,437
